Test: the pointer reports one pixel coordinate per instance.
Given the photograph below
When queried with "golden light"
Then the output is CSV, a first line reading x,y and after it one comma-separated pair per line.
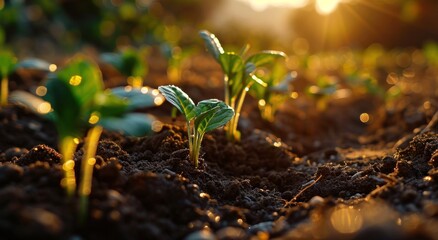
x,y
294,95
155,92
44,108
157,126
346,219
262,102
94,118
158,100
261,5
52,67
364,117
135,82
128,88
41,91
144,90
325,7
91,161
75,80
68,165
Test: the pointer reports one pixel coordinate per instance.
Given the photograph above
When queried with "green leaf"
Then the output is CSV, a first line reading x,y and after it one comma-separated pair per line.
x,y
67,110
132,124
212,43
180,100
233,68
139,97
34,63
109,105
265,57
217,115
84,78
7,63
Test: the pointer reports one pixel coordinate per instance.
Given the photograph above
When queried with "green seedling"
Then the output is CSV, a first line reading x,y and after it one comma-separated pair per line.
x,y
201,118
239,75
321,92
76,98
277,91
8,64
131,63
75,101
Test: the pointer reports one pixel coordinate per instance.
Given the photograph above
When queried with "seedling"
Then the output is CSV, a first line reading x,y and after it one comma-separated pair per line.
x,y
206,116
238,75
324,88
8,64
75,94
131,63
277,91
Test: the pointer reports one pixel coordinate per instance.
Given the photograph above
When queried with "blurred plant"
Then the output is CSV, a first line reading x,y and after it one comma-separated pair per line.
x,y
364,83
276,92
177,59
324,88
430,51
131,63
8,64
75,94
206,116
77,101
239,75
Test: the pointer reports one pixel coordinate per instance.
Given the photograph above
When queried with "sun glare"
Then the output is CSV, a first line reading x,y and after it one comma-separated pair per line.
x,y
261,5
325,7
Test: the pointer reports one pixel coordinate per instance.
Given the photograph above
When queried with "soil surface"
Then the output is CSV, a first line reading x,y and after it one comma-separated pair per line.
x,y
309,175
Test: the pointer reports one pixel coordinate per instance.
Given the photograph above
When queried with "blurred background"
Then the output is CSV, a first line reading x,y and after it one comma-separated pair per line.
x,y
52,27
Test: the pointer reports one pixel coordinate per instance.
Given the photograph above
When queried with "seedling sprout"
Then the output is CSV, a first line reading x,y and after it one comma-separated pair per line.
x,y
206,116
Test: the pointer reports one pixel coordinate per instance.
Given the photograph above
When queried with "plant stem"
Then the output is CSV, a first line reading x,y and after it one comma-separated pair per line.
x,y
88,161
4,91
232,133
67,147
196,148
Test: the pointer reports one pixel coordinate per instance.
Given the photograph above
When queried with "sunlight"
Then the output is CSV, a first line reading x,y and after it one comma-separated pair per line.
x,y
261,5
325,7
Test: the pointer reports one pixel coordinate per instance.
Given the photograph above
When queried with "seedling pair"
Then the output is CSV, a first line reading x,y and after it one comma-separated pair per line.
x,y
201,118
239,75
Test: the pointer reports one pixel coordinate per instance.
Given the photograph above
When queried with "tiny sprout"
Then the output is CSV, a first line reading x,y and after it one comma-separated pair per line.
x,y
206,116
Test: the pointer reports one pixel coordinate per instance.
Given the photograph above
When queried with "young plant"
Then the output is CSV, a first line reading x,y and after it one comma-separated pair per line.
x,y
74,93
206,116
75,101
325,87
131,63
238,75
8,64
277,91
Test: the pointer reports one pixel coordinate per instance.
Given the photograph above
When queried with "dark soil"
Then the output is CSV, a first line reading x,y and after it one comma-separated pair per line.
x,y
309,175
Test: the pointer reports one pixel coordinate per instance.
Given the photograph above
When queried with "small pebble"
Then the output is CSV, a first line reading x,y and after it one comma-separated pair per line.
x,y
230,233
316,200
204,234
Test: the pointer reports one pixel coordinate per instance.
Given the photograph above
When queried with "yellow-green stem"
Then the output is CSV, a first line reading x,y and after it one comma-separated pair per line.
x,y
4,91
88,161
67,147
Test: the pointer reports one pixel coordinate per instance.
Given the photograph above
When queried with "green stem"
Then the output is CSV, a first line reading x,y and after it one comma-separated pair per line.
x,y
232,127
67,147
88,161
191,139
196,148
4,91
